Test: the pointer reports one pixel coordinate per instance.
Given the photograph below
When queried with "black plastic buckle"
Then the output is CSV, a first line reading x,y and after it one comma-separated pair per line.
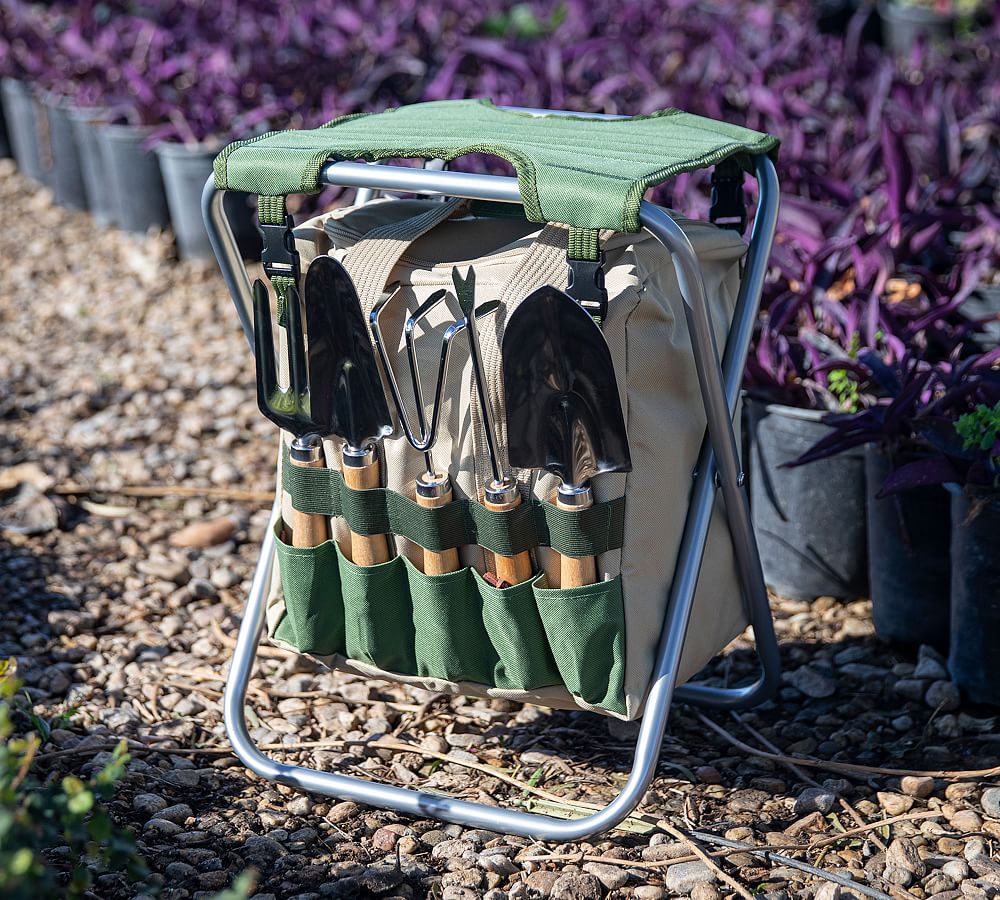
x,y
729,202
279,255
586,285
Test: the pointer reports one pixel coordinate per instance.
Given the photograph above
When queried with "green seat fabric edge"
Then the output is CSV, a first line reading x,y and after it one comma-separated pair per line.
x,y
586,532
585,173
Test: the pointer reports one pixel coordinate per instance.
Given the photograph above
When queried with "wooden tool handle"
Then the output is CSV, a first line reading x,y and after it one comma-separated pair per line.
x,y
308,529
438,562
575,571
366,549
513,569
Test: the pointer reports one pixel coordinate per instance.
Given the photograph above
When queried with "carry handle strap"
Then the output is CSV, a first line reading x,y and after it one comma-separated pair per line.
x,y
371,260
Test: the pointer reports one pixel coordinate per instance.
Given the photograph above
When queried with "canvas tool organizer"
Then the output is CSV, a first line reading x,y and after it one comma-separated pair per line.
x,y
665,290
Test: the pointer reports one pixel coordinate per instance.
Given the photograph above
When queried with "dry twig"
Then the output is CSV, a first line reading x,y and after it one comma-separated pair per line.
x,y
706,859
157,491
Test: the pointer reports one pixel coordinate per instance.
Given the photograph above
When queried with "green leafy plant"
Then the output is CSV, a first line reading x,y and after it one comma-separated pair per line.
x,y
522,22
36,817
980,434
845,389
979,429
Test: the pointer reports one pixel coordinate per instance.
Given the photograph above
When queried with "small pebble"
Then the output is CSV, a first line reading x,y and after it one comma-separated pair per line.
x,y
918,786
943,695
990,802
894,804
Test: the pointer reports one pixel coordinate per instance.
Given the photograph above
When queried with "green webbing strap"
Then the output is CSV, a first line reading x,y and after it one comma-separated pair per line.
x,y
492,209
585,173
585,532
584,243
272,211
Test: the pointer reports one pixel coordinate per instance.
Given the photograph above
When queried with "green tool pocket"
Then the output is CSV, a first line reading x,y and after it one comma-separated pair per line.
x,y
378,615
515,630
585,627
451,641
314,613
455,627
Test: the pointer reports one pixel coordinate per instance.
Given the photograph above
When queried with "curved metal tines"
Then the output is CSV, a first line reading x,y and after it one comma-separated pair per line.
x,y
287,408
422,438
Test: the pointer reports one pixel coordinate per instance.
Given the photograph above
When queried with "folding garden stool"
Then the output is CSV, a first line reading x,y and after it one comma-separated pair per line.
x,y
287,162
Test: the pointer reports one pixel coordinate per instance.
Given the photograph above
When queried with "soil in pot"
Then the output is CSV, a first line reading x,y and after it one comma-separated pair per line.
x,y
903,25
185,170
134,174
909,566
810,520
974,657
21,113
96,183
66,177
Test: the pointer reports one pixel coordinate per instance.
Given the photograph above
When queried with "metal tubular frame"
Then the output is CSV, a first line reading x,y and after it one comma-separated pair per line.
x,y
718,468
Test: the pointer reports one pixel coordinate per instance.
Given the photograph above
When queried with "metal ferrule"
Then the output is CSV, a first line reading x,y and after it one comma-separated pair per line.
x,y
306,449
501,492
359,458
433,486
579,496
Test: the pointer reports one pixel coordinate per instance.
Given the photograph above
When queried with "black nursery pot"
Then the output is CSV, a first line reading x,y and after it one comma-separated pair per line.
x,y
134,174
66,176
4,136
974,657
185,169
834,17
908,556
902,25
96,184
21,113
810,520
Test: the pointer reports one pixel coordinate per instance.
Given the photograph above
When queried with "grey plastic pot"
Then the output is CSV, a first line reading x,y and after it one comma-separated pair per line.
x,y
134,175
909,562
810,520
974,657
903,25
185,169
66,176
21,113
97,185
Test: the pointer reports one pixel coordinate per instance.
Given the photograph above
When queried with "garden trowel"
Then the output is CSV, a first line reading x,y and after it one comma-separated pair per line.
x,y
346,391
563,410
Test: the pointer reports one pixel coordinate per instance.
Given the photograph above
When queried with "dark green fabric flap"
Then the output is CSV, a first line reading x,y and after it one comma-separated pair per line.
x,y
586,173
586,532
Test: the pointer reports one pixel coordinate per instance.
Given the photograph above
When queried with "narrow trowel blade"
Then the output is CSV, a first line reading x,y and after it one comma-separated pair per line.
x,y
346,392
563,409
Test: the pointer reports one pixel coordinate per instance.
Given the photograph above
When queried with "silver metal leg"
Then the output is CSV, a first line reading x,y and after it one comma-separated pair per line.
x,y
719,386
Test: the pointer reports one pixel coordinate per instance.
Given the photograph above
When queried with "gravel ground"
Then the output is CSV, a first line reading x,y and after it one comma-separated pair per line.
x,y
118,367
